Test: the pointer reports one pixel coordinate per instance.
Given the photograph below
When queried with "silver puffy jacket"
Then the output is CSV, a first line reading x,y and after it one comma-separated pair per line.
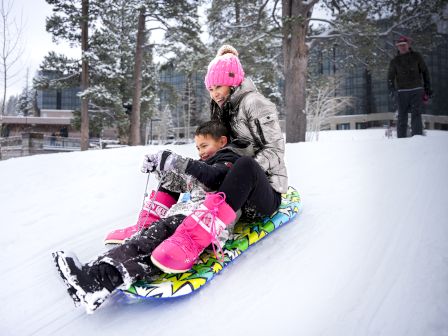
x,y
255,127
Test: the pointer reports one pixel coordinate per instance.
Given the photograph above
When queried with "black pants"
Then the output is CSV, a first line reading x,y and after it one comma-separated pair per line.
x,y
409,102
247,187
132,259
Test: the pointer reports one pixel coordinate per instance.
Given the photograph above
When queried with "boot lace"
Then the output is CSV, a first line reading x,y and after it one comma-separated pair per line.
x,y
218,199
183,239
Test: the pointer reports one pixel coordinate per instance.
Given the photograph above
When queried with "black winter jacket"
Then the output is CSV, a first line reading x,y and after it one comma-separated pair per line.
x,y
406,71
211,172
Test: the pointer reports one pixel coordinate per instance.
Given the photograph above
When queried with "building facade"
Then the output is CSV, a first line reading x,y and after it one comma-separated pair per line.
x,y
370,93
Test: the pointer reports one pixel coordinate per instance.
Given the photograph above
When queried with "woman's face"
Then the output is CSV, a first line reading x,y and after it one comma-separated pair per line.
x,y
219,93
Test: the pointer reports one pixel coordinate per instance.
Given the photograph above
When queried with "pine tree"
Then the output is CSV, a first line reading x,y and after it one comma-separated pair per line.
x,y
71,21
112,51
112,58
166,124
25,102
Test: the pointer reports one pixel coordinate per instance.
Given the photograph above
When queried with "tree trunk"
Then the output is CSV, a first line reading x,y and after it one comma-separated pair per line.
x,y
295,56
369,99
134,137
295,98
84,76
36,108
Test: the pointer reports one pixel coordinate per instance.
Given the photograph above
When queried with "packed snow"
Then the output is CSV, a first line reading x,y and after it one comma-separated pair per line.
x,y
367,256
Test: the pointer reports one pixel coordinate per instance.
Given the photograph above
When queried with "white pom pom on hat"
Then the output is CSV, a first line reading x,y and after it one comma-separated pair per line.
x,y
227,49
225,69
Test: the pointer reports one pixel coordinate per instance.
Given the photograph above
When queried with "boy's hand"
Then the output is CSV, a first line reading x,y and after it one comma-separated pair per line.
x,y
149,163
163,161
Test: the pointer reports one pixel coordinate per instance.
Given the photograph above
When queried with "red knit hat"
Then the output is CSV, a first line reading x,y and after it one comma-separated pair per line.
x,y
225,68
402,39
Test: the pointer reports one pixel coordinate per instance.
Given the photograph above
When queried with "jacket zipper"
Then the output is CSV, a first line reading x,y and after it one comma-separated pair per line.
x,y
260,131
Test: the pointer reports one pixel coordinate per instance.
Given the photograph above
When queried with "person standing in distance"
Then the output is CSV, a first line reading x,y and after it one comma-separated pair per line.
x,y
409,83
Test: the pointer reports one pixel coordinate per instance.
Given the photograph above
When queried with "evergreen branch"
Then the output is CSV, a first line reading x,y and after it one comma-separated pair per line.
x,y
240,26
159,19
259,16
342,37
57,81
101,110
321,20
64,78
330,34
157,28
390,29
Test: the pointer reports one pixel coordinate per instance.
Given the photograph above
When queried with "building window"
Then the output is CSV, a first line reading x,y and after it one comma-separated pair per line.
x,y
345,126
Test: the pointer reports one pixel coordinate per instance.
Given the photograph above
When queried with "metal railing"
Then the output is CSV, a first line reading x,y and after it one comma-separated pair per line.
x,y
61,143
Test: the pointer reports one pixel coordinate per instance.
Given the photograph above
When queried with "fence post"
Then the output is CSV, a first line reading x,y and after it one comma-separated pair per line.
x,y
32,143
26,144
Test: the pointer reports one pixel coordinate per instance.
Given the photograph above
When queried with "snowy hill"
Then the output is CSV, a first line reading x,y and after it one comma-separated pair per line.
x,y
368,255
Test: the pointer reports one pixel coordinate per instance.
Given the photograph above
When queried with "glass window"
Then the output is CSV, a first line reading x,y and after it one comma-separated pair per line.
x,y
344,126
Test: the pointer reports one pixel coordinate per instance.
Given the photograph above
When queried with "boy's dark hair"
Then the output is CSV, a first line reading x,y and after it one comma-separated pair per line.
x,y
213,128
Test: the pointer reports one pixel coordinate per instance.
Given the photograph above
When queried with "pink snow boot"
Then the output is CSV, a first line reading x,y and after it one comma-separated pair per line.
x,y
151,212
179,252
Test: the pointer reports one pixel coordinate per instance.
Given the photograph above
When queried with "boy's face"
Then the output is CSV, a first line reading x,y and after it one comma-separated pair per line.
x,y
219,93
207,146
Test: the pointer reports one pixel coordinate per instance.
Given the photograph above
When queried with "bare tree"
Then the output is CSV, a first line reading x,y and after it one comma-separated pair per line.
x,y
322,104
10,46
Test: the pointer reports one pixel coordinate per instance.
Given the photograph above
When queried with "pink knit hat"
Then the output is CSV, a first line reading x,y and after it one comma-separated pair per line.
x,y
225,68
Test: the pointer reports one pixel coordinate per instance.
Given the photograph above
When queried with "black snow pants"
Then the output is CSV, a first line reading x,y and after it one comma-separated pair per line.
x,y
247,187
132,259
409,101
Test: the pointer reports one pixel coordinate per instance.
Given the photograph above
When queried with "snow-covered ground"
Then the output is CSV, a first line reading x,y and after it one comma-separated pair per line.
x,y
368,255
